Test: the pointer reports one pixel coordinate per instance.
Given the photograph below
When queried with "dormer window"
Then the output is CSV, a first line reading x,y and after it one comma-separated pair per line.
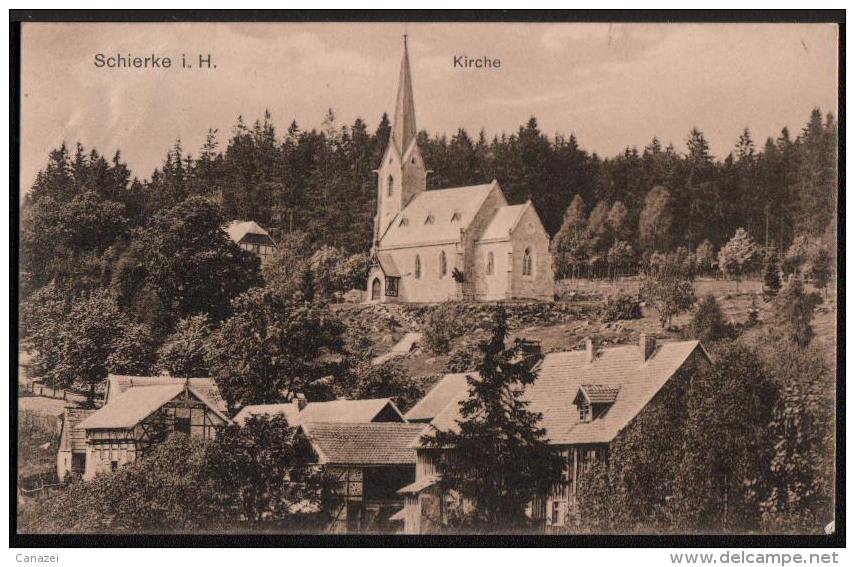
x,y
429,219
594,400
404,221
584,412
455,217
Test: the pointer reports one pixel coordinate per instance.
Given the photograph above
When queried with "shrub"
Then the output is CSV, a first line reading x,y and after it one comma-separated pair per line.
x,y
622,306
708,323
441,327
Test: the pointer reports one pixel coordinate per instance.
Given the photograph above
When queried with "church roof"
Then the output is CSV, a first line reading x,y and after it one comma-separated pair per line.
x,y
503,222
436,217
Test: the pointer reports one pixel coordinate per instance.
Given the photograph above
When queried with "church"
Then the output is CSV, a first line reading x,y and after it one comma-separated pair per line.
x,y
463,243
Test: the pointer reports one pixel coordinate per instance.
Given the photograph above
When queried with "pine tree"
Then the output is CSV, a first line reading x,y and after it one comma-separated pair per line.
x,y
498,457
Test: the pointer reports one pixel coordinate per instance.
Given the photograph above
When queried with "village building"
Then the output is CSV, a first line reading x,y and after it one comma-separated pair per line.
x,y
587,398
138,411
459,243
252,238
368,463
380,410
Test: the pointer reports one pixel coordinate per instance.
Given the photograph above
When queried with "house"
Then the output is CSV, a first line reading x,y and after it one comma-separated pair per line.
x,y
337,411
456,243
145,413
368,463
587,398
251,237
71,455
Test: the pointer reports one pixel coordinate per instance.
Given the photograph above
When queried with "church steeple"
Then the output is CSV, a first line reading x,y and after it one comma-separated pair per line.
x,y
404,120
402,174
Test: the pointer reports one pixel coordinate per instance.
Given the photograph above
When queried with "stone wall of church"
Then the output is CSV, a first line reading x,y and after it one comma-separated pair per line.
x,y
430,286
530,234
492,286
476,228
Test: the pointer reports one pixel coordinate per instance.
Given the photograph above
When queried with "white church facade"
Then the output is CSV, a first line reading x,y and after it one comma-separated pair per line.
x,y
462,243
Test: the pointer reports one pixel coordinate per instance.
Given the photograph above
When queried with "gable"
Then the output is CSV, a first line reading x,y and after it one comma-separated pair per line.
x,y
441,205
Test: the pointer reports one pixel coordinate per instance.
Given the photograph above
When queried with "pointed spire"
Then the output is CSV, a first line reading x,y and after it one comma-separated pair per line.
x,y
404,120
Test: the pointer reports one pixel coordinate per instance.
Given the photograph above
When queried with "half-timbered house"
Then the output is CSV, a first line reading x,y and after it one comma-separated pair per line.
x,y
131,422
368,463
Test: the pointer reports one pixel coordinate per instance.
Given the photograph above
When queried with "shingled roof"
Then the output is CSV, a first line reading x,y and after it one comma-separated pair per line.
x,y
449,388
136,404
337,411
619,373
442,205
599,393
363,443
118,384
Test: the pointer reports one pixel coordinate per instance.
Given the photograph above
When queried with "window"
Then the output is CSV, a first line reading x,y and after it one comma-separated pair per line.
x,y
390,185
490,263
556,513
417,269
114,465
584,411
527,262
455,217
404,221
182,425
429,219
443,264
413,161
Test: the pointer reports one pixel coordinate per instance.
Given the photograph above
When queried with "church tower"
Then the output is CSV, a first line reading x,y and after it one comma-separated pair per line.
x,y
402,174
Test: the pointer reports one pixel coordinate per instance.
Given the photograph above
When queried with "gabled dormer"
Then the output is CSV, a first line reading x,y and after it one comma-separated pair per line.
x,y
594,400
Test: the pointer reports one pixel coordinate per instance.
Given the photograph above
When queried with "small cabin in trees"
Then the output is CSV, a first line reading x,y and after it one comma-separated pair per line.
x,y
587,399
253,238
144,414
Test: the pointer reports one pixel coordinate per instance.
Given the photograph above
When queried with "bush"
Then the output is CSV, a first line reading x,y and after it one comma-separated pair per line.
x,y
441,327
464,357
621,307
708,323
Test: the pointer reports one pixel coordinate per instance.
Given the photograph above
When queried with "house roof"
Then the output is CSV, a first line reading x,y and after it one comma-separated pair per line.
x,y
136,404
346,411
363,443
238,229
504,222
441,205
74,439
290,411
118,384
337,411
561,375
450,387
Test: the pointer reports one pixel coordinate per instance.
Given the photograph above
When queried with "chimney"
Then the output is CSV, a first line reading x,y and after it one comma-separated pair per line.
x,y
646,345
300,401
589,350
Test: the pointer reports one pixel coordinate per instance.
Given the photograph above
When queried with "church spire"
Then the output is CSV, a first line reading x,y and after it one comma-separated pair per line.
x,y
404,122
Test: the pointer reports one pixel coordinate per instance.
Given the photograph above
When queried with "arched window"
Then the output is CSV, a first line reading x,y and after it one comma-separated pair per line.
x,y
443,264
490,263
390,185
417,269
527,262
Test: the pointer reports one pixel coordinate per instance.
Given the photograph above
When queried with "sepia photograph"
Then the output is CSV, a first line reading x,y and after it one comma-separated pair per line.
x,y
553,279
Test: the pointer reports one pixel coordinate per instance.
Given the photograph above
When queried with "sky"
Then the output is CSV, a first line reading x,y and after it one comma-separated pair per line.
x,y
612,85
